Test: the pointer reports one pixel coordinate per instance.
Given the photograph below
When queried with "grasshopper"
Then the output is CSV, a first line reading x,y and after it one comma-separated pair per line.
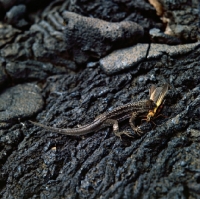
x,y
157,95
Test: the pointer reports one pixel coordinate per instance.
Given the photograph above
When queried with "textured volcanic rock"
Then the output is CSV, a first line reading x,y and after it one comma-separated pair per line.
x,y
156,50
35,163
7,34
139,11
88,37
158,36
19,102
16,16
165,158
30,70
181,18
126,58
117,9
7,4
3,75
80,39
39,47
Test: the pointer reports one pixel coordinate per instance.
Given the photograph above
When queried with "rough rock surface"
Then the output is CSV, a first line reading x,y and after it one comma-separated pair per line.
x,y
165,158
7,34
126,58
19,102
157,36
181,18
35,163
16,16
156,50
67,38
103,36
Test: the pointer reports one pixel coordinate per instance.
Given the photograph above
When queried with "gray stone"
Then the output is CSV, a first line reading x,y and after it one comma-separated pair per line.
x,y
3,75
7,33
181,18
31,70
16,16
157,36
124,58
89,37
156,50
6,4
20,102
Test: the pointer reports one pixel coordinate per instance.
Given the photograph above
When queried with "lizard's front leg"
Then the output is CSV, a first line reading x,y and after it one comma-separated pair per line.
x,y
116,131
136,129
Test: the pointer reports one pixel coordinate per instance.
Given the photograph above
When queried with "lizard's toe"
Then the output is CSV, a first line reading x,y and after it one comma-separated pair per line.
x,y
138,131
127,133
118,134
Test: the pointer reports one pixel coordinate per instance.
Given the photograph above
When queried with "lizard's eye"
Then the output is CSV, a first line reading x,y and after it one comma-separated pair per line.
x,y
151,104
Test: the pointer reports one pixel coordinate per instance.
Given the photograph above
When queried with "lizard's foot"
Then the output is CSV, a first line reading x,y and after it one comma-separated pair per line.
x,y
138,131
127,133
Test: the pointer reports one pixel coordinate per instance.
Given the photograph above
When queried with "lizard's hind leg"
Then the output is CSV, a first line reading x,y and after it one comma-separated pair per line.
x,y
137,130
116,131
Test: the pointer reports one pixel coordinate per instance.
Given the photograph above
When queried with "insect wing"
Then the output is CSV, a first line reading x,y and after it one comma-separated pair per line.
x,y
162,94
152,89
155,94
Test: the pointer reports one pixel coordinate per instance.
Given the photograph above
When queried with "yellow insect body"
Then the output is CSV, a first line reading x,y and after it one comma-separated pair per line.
x,y
156,94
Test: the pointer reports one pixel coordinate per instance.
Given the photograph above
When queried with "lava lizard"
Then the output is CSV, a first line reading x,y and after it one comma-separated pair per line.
x,y
110,118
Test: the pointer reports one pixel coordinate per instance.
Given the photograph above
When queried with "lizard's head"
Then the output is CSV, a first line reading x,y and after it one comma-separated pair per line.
x,y
150,104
